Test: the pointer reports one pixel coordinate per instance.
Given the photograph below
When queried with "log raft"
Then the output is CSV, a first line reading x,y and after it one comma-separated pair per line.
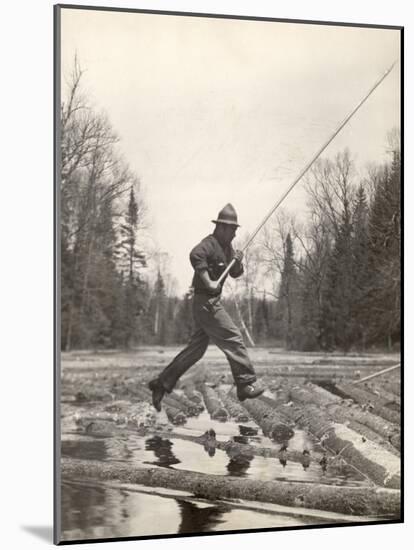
x,y
367,424
367,457
372,501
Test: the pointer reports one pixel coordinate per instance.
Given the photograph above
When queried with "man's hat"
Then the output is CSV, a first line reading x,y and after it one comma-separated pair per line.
x,y
227,215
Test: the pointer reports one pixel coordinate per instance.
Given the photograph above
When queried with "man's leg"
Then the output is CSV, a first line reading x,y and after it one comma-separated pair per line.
x,y
222,331
192,353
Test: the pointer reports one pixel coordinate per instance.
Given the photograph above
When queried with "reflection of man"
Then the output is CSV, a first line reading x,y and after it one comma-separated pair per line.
x,y
212,323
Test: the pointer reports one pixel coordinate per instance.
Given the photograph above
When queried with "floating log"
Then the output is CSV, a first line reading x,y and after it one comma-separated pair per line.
x,y
372,501
183,403
393,387
308,373
213,403
337,412
342,413
371,401
172,401
366,456
273,425
191,393
191,403
175,415
235,410
380,373
389,398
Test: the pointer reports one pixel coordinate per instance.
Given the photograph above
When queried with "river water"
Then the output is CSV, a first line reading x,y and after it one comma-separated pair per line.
x,y
95,510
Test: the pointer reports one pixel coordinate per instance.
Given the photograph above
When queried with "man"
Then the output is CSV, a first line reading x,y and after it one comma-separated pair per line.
x,y
212,323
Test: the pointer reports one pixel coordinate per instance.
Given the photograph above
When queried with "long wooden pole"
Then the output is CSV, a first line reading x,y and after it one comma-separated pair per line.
x,y
308,165
377,374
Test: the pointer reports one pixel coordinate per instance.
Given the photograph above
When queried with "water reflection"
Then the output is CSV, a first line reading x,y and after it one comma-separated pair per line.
x,y
239,464
199,519
241,439
81,508
210,442
248,430
162,449
283,461
306,460
86,449
90,512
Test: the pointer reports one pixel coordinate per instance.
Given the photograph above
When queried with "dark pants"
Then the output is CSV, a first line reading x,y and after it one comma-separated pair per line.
x,y
212,324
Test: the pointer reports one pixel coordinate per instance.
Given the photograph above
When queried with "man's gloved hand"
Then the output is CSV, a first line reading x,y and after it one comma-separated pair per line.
x,y
238,255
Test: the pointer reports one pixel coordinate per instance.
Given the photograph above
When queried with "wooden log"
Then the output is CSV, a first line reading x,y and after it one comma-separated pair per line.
x,y
213,403
359,361
393,386
169,401
373,403
389,398
308,374
366,456
395,440
189,407
174,414
273,425
235,410
337,412
250,505
192,394
342,413
380,373
348,500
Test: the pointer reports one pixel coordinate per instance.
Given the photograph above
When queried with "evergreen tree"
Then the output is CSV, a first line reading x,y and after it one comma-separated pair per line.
x,y
286,310
132,259
383,315
160,311
183,321
261,320
361,271
339,286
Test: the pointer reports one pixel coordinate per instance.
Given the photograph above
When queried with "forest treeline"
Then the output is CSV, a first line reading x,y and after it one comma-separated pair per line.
x,y
330,281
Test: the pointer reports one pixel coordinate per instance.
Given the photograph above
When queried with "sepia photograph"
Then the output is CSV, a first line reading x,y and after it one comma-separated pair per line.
x,y
228,236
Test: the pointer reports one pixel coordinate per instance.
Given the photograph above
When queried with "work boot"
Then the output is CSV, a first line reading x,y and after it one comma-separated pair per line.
x,y
158,392
248,391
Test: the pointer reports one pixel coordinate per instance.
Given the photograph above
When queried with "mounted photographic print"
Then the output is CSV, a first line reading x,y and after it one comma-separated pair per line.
x,y
228,274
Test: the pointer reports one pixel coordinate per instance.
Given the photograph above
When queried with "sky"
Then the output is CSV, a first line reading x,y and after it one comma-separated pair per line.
x,y
211,111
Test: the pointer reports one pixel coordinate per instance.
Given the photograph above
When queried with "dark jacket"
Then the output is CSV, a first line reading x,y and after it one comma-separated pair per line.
x,y
210,255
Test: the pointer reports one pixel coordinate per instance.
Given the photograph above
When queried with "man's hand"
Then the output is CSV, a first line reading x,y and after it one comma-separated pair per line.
x,y
238,255
214,286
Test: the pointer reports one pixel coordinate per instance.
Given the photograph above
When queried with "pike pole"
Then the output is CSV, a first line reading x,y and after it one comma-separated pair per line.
x,y
377,374
306,168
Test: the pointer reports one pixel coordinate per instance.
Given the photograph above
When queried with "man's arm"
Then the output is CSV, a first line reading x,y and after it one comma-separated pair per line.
x,y
212,286
199,260
237,270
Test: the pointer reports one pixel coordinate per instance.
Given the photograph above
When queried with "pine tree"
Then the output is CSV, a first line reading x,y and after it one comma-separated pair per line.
x,y
132,259
183,322
160,311
339,287
385,257
361,272
286,310
261,320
